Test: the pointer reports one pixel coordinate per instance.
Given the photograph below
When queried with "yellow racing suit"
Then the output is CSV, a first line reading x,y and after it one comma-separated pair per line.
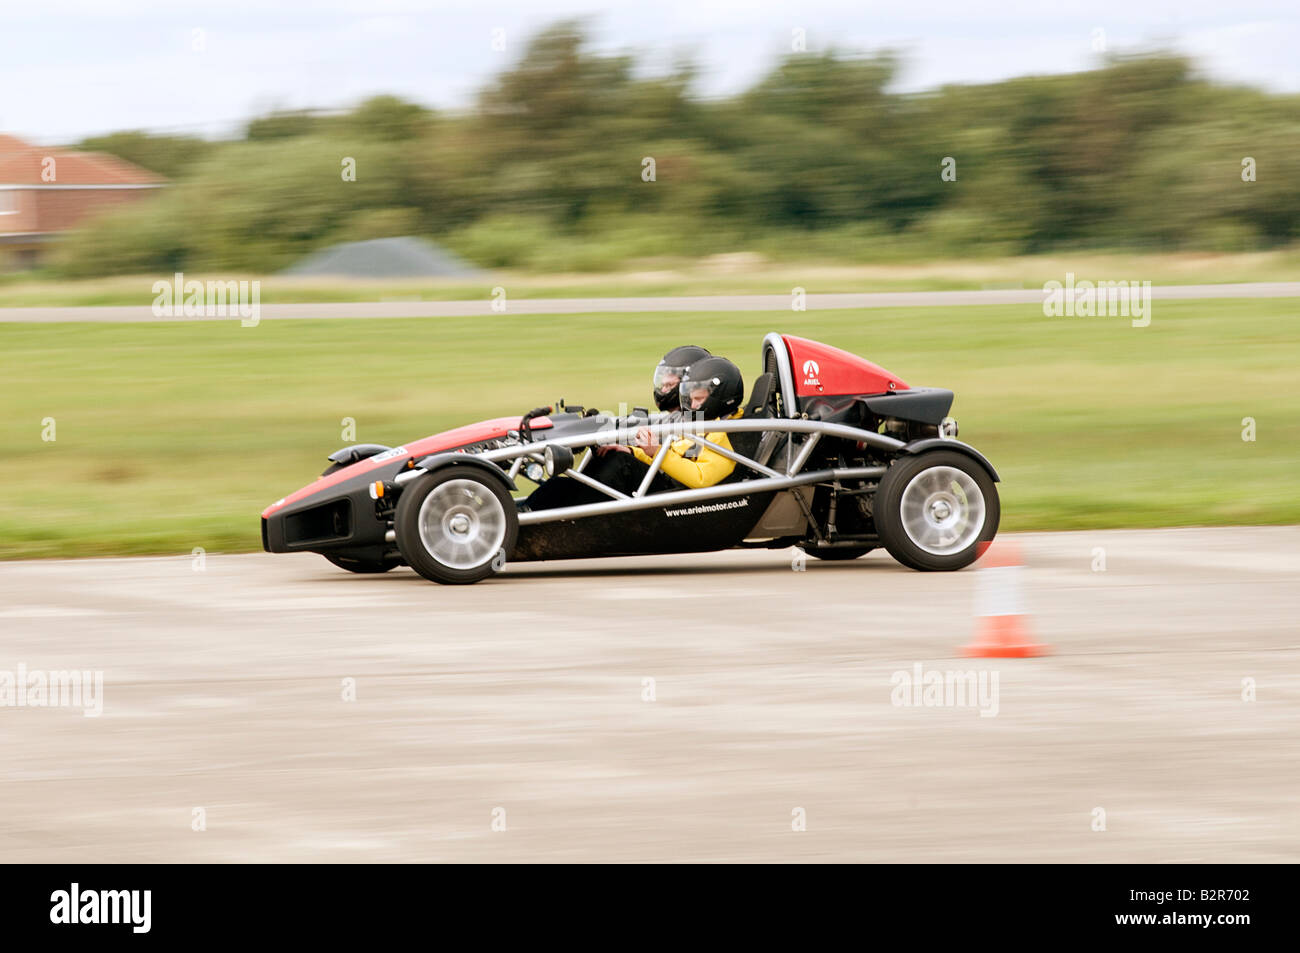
x,y
693,465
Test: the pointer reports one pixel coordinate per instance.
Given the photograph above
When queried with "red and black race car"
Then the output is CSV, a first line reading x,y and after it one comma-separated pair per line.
x,y
832,454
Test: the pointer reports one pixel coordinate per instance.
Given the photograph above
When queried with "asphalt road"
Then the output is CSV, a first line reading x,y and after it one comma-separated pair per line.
x,y
223,690
814,302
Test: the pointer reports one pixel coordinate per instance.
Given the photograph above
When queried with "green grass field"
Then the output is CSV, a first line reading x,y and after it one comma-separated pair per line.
x,y
717,275
172,436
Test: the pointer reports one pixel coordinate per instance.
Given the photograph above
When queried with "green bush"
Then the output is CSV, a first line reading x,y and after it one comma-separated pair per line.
x,y
503,241
818,159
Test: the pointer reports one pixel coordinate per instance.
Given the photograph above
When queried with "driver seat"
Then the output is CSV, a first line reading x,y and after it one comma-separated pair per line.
x,y
748,444
762,404
760,398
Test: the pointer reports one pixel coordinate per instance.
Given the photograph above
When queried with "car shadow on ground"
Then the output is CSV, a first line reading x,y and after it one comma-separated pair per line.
x,y
555,571
562,570
609,567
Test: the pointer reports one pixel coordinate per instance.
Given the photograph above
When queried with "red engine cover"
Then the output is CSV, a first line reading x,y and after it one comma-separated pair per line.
x,y
820,369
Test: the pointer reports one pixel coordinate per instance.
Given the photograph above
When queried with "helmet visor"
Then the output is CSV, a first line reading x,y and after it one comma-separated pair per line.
x,y
668,377
694,394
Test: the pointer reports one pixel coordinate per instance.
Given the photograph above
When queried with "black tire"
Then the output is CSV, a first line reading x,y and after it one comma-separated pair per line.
x,y
362,565
490,517
913,539
837,553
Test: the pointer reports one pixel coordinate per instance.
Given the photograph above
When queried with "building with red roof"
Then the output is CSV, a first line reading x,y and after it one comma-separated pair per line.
x,y
45,192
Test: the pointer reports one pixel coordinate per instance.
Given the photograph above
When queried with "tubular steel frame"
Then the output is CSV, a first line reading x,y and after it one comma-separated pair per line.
x,y
766,479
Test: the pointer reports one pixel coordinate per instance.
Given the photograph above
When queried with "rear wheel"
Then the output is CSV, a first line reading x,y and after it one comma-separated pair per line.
x,y
935,510
455,526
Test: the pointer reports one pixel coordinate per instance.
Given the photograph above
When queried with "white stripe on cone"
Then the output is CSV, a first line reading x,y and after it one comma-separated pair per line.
x,y
998,592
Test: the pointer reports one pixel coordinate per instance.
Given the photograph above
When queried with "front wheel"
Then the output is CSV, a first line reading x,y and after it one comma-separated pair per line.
x,y
454,526
937,510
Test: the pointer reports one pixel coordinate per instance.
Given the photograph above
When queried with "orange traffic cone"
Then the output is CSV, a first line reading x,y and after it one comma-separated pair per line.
x,y
1000,631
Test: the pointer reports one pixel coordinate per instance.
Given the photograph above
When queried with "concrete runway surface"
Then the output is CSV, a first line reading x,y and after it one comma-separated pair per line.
x,y
685,303
223,691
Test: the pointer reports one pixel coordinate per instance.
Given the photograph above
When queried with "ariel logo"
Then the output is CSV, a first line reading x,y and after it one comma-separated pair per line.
x,y
810,369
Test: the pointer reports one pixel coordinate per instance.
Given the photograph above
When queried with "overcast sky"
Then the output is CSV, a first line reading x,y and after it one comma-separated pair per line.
x,y
72,68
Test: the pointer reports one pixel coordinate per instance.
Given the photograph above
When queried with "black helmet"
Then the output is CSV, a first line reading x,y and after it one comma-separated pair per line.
x,y
669,373
721,379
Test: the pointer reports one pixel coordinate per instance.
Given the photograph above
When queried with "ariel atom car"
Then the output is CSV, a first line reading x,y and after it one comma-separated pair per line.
x,y
833,454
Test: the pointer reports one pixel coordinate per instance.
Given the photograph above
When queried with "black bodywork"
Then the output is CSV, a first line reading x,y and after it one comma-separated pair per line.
x,y
346,520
